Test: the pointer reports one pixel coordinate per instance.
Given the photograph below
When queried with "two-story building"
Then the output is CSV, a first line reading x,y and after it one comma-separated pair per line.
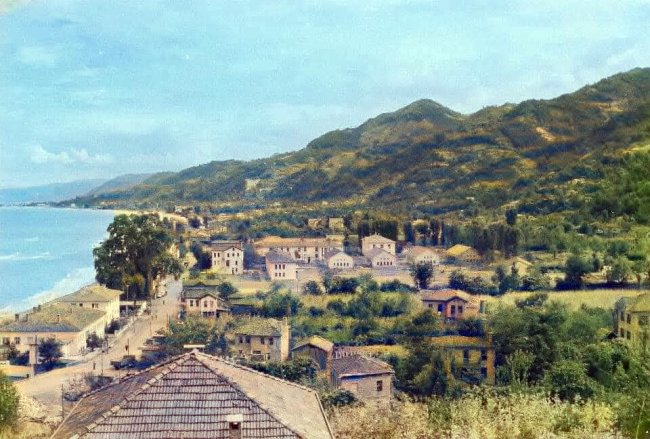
x,y
377,241
473,357
260,339
281,266
449,303
368,378
227,256
67,323
632,319
203,300
306,250
98,297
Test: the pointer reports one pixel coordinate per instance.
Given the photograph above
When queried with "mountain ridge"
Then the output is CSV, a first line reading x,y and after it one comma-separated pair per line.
x,y
429,157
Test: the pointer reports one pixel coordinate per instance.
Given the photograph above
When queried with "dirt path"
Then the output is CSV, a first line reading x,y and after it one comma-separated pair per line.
x,y
46,387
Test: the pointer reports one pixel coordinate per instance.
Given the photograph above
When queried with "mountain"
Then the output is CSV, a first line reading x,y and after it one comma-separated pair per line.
x,y
121,183
47,193
428,158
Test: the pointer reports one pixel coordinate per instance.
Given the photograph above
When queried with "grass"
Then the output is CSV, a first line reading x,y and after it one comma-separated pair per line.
x,y
574,299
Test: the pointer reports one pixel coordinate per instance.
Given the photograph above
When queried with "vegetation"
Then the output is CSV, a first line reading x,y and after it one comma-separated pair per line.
x,y
49,352
135,254
9,400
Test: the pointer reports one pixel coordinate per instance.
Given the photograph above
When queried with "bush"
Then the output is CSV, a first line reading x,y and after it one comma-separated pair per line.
x,y
397,287
49,351
9,401
312,288
338,398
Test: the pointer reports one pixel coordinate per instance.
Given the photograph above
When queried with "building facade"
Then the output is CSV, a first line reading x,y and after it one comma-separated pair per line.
x,y
97,297
338,260
281,266
260,339
463,254
203,300
306,250
473,357
450,304
318,349
377,241
367,378
380,258
419,254
632,320
227,256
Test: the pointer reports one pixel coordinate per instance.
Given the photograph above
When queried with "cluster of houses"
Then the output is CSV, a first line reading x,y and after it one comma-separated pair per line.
x,y
286,259
70,319
346,367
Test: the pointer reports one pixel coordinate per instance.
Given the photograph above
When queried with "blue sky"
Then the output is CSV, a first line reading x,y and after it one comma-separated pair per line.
x,y
100,88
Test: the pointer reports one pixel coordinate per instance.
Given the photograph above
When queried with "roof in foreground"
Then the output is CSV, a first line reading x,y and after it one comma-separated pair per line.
x,y
275,256
192,396
378,239
375,252
355,365
91,293
460,341
55,317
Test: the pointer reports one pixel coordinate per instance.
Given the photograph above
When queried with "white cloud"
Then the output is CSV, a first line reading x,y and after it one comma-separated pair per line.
x,y
81,156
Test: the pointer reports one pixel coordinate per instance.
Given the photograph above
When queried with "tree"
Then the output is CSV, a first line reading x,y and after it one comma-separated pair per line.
x,y
568,379
619,272
49,351
422,272
226,289
9,401
137,244
93,341
409,233
312,288
574,270
511,217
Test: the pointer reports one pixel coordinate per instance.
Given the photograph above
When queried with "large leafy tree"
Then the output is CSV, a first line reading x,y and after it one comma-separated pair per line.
x,y
135,250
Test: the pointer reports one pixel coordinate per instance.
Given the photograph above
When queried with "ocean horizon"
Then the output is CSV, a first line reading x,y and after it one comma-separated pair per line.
x,y
46,252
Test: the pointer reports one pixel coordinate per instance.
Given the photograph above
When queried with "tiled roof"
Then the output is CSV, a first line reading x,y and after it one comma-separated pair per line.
x,y
331,253
444,295
418,250
192,396
91,293
319,342
377,239
276,241
373,253
225,245
55,317
459,341
259,326
359,365
639,304
275,256
458,250
198,291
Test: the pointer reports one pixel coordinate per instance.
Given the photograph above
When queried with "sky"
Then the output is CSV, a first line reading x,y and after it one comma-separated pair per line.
x,y
96,89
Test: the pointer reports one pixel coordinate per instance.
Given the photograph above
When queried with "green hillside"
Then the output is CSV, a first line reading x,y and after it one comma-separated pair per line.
x,y
428,158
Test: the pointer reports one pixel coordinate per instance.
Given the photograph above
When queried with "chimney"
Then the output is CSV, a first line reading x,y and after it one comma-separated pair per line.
x,y
235,425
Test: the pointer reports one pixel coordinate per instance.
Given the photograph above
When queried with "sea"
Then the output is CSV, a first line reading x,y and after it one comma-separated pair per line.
x,y
46,252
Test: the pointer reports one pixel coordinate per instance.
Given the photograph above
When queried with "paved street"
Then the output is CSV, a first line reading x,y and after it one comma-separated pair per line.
x,y
46,387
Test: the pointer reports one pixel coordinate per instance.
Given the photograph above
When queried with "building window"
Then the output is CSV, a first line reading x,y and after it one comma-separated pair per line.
x,y
483,354
628,335
460,309
453,309
465,355
441,307
643,320
248,340
380,386
629,319
271,341
622,333
484,372
241,339
5,340
262,340
622,317
16,341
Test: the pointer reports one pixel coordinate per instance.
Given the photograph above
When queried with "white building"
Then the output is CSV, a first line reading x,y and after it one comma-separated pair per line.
x,y
338,260
380,258
281,266
377,242
306,250
418,254
227,256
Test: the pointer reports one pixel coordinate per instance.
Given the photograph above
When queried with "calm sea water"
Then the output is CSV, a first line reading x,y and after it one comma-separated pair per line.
x,y
46,252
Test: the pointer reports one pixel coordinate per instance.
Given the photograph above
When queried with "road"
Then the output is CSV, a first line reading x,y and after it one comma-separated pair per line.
x,y
46,387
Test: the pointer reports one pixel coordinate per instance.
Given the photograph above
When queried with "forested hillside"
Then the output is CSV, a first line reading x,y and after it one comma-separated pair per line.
x,y
544,155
